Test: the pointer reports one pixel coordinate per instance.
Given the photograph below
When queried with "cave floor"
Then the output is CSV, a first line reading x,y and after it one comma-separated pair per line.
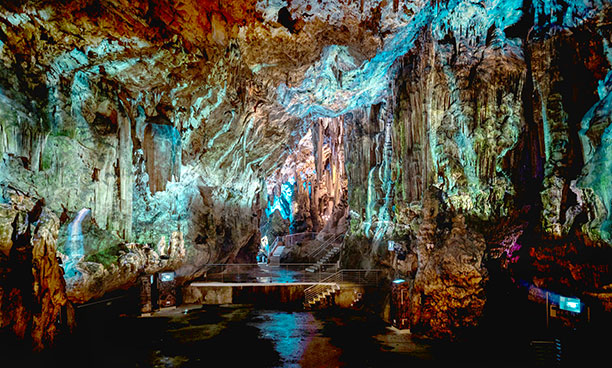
x,y
244,336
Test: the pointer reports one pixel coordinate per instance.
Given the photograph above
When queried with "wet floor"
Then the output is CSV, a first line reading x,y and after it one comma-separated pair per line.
x,y
242,336
247,337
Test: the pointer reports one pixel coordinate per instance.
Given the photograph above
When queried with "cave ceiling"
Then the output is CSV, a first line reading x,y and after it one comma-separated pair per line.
x,y
165,117
232,76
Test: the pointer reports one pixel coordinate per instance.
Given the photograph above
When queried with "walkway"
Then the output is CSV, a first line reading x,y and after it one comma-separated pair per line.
x,y
264,273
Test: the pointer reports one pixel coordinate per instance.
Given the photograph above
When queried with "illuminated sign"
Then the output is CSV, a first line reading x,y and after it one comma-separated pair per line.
x,y
390,245
167,276
569,304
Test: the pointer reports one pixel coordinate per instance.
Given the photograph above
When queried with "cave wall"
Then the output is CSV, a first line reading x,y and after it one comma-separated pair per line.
x,y
308,192
90,133
464,132
490,146
32,287
161,121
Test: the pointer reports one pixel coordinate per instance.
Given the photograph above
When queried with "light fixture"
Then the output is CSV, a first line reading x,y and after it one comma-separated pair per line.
x,y
398,281
167,276
569,304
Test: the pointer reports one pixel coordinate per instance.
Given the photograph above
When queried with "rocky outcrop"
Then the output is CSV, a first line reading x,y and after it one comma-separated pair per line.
x,y
107,271
211,122
33,301
485,116
448,289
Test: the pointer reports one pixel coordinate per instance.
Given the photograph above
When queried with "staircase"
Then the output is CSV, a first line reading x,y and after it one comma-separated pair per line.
x,y
319,293
547,353
331,285
325,253
275,256
331,253
280,242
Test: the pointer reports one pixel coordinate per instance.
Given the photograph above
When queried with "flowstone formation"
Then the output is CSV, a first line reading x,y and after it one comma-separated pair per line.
x,y
498,112
173,135
32,288
152,122
138,121
309,190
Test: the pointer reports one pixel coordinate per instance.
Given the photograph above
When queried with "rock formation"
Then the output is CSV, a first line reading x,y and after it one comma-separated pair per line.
x,y
32,287
187,129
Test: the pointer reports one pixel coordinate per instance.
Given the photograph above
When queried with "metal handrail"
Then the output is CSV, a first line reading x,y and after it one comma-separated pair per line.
x,y
299,274
317,251
352,276
274,245
289,239
272,248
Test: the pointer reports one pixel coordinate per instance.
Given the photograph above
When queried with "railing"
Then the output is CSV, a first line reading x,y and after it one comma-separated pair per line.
x,y
323,247
348,276
289,240
292,239
255,273
272,248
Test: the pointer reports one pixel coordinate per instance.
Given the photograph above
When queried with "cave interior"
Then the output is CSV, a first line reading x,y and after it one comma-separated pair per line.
x,y
460,149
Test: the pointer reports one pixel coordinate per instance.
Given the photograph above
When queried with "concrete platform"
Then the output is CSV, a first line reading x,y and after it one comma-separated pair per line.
x,y
275,293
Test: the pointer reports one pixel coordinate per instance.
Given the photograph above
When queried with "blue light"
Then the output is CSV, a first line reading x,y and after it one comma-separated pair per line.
x,y
167,276
74,245
569,304
289,332
399,281
283,203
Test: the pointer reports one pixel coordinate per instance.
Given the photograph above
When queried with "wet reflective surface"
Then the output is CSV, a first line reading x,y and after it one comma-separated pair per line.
x,y
243,336
237,336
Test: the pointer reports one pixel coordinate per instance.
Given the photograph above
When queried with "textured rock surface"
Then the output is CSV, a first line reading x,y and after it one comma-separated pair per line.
x,y
439,125
309,189
32,286
495,116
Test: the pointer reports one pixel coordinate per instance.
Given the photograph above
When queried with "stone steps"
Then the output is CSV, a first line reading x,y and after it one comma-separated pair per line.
x,y
275,257
331,290
332,252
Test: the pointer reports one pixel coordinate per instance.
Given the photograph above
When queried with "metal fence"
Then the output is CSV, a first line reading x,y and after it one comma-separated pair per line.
x,y
347,276
289,240
324,247
281,273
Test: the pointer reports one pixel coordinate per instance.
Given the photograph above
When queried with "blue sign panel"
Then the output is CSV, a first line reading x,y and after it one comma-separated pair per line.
x,y
167,276
569,304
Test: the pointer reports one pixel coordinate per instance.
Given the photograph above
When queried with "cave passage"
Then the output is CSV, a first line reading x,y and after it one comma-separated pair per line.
x,y
306,182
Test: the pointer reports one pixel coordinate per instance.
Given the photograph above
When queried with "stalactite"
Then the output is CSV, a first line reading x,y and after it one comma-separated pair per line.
x,y
126,179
